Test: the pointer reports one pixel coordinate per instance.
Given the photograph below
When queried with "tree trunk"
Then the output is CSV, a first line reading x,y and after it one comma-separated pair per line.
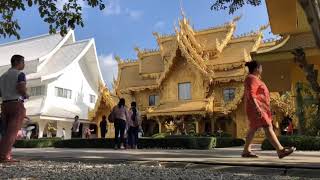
x,y
312,11
300,109
308,69
312,78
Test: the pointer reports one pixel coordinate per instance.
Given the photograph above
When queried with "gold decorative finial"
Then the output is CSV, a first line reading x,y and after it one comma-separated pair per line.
x,y
137,49
118,59
237,18
156,34
264,27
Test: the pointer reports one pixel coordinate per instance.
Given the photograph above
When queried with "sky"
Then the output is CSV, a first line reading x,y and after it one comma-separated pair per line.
x,y
126,24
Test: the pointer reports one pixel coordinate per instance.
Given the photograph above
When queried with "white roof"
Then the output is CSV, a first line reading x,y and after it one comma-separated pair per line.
x,y
31,49
61,59
47,57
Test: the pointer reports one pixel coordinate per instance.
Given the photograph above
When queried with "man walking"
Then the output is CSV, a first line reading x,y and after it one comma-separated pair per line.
x,y
75,130
13,92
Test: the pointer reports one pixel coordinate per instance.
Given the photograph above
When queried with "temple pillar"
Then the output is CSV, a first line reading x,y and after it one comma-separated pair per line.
x,y
212,119
158,120
42,125
197,126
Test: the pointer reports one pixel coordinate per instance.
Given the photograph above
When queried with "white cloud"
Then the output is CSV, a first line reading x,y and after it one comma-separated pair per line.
x,y
134,14
109,68
159,25
112,8
60,3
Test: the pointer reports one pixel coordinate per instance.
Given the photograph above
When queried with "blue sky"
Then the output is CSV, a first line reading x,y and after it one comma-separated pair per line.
x,y
125,24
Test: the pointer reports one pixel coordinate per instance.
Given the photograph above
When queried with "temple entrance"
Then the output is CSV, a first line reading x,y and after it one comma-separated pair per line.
x,y
225,126
94,133
207,128
34,130
189,124
149,127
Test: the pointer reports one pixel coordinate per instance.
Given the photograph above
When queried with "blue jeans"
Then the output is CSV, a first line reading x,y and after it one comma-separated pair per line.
x,y
133,136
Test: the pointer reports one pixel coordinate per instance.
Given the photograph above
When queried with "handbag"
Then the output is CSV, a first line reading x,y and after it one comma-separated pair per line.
x,y
111,117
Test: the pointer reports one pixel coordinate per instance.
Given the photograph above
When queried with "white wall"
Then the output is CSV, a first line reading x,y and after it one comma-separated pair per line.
x,y
74,79
67,126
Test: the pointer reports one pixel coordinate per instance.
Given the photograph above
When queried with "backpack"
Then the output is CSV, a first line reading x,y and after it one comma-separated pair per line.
x,y
111,117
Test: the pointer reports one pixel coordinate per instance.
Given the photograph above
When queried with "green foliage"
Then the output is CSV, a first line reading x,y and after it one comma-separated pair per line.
x,y
160,135
303,143
85,143
166,143
233,5
69,16
163,142
178,142
307,110
36,143
229,142
224,141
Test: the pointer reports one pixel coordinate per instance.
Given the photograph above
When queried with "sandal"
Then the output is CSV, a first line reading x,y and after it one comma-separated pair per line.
x,y
249,155
286,152
9,161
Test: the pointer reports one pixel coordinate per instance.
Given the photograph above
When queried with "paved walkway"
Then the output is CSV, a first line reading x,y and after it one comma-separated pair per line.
x,y
223,156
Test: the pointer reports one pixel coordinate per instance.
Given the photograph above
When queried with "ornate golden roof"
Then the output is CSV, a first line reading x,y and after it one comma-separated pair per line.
x,y
215,52
105,101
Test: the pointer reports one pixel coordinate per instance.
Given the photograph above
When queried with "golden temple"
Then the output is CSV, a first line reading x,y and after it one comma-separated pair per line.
x,y
195,77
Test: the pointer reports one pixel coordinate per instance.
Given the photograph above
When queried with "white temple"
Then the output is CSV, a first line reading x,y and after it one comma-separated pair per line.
x,y
63,76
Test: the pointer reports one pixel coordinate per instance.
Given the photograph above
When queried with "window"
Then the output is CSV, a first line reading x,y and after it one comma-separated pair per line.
x,y
92,98
37,91
64,93
184,91
229,94
153,100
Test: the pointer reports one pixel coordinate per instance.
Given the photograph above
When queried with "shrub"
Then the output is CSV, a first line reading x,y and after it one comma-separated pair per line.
x,y
229,142
182,142
85,143
160,135
309,143
169,142
36,143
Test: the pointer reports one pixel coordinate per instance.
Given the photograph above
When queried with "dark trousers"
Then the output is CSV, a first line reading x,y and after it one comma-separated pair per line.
x,y
133,136
75,134
103,133
119,127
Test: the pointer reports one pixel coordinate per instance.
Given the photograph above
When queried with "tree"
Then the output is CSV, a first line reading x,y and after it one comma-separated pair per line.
x,y
233,5
58,18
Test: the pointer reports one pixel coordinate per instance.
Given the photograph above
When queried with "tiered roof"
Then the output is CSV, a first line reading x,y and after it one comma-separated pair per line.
x,y
47,57
216,52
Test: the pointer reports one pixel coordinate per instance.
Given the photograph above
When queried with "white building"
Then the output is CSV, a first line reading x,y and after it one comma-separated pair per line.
x,y
62,78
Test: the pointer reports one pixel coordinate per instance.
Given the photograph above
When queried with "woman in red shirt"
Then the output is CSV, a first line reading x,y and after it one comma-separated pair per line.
x,y
257,103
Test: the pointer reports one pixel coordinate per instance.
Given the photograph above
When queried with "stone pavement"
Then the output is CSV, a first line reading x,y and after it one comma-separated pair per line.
x,y
221,156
